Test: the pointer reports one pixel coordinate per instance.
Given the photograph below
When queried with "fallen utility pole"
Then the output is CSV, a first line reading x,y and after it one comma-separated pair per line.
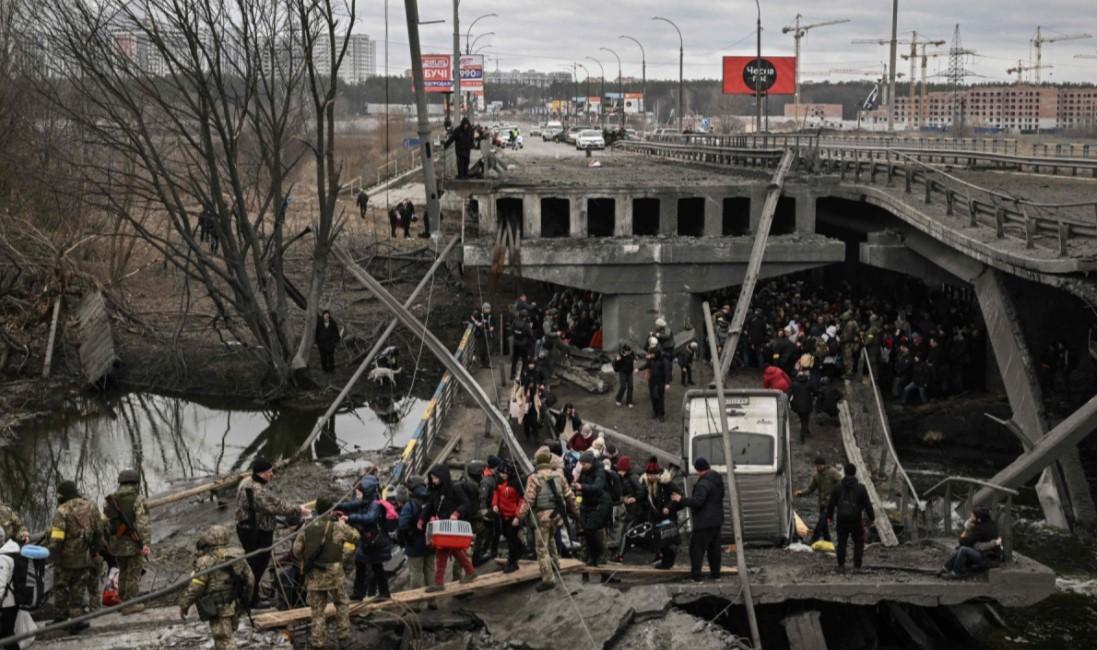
x,y
754,266
319,426
458,370
729,469
1062,439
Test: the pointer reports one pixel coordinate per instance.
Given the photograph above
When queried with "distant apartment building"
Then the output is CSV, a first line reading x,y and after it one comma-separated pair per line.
x,y
1020,108
359,63
809,111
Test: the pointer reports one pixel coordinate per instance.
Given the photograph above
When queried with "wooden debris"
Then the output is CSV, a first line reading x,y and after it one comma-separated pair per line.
x,y
580,378
52,339
648,571
853,453
525,573
97,353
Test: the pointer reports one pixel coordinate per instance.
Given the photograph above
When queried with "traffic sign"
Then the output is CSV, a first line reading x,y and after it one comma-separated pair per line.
x,y
411,143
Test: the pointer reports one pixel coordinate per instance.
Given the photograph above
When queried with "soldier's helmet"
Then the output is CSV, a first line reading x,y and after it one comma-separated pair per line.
x,y
128,476
214,536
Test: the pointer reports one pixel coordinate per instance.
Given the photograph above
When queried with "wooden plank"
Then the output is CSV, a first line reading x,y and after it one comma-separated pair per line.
x,y
97,353
804,631
52,338
644,570
853,453
526,572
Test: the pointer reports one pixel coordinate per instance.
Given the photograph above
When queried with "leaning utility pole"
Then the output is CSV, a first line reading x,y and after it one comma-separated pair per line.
x,y
891,66
411,8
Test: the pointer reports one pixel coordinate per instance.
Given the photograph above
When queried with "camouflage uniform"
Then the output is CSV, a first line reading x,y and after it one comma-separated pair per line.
x,y
325,545
267,507
74,543
12,524
540,499
125,548
213,549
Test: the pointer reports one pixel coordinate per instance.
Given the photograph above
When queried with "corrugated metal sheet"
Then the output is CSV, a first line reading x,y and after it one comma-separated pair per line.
x,y
97,353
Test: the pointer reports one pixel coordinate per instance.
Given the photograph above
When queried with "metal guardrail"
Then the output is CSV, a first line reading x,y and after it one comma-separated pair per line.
x,y
417,450
766,158
1035,164
392,168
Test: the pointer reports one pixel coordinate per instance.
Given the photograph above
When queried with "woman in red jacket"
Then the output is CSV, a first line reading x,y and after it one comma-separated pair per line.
x,y
506,503
774,377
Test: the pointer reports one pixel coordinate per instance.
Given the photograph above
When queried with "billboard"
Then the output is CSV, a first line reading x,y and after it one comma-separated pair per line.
x,y
472,74
437,73
775,75
634,103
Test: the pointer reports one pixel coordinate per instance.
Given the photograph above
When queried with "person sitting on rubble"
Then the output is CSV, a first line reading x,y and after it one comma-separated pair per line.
x,y
980,547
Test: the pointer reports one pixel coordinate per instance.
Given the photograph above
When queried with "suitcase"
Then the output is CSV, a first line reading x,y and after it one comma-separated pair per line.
x,y
452,534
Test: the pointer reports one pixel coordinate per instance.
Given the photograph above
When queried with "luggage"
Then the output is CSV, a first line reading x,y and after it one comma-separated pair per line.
x,y
665,533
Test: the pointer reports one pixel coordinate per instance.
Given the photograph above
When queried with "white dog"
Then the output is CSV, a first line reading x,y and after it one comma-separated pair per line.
x,y
381,375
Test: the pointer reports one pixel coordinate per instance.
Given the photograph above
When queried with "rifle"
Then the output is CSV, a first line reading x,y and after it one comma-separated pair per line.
x,y
561,507
129,529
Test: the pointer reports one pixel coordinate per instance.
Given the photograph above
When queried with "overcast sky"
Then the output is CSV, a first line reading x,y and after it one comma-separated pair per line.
x,y
548,35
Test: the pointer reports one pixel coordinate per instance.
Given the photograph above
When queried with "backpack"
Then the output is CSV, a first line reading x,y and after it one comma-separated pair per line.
x,y
26,594
848,507
392,517
613,486
472,493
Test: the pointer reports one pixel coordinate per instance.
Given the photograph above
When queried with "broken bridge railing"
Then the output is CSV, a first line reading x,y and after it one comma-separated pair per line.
x,y
750,157
1009,216
417,450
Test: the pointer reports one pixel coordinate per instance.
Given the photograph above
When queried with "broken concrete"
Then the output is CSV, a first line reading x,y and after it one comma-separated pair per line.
x,y
675,630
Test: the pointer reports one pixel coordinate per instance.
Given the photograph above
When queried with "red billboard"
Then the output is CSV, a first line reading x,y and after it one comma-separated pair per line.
x,y
437,73
773,75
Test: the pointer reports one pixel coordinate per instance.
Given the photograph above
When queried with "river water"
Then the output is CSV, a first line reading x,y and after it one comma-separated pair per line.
x,y
177,441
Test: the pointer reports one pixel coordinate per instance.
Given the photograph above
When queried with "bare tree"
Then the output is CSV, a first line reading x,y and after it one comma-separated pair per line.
x,y
186,107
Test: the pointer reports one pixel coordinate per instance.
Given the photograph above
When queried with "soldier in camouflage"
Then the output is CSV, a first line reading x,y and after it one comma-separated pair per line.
x,y
74,543
11,522
256,510
545,505
128,534
322,548
219,590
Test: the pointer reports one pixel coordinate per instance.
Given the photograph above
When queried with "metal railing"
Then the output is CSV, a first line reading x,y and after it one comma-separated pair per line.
x,y
417,450
1028,221
985,145
397,164
766,158
941,494
969,158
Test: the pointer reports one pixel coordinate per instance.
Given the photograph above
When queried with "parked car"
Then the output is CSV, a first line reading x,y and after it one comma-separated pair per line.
x,y
536,130
551,130
571,134
590,139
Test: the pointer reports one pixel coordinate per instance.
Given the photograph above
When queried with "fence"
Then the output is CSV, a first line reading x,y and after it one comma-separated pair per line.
x,y
399,163
416,451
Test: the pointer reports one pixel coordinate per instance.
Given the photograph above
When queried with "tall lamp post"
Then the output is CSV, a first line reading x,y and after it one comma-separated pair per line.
x,y
468,34
601,100
757,73
586,98
643,73
620,85
681,48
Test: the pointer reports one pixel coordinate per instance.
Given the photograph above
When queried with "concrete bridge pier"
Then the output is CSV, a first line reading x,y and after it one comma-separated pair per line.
x,y
629,317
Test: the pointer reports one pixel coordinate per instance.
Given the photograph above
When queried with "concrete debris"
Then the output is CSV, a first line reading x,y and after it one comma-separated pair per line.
x,y
676,630
549,620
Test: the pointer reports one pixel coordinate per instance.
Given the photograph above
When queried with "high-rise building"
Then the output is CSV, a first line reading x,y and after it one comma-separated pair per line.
x,y
359,63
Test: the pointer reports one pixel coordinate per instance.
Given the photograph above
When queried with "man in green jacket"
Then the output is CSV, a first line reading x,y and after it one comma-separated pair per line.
x,y
823,482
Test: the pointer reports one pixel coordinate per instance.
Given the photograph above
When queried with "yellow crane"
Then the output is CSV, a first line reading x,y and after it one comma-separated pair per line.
x,y
799,31
1040,40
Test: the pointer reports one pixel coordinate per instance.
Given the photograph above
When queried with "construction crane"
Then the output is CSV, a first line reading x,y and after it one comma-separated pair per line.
x,y
1022,68
1085,56
799,31
1039,43
925,56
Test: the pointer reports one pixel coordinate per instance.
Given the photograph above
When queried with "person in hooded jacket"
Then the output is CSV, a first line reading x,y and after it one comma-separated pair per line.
x,y
848,501
775,378
446,501
801,399
631,493
686,357
979,547
623,365
506,503
658,504
707,504
414,540
596,507
367,515
657,378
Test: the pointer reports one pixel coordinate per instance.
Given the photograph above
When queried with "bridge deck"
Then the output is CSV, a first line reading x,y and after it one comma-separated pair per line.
x,y
906,573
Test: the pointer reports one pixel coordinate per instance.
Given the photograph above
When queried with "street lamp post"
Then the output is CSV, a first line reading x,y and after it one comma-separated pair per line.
x,y
586,98
477,40
620,85
601,100
757,73
643,74
681,48
468,34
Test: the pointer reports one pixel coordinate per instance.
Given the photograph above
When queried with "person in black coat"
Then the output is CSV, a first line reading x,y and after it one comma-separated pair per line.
x,y
363,202
597,507
623,365
800,399
657,504
562,418
657,379
707,507
327,337
463,138
848,501
447,501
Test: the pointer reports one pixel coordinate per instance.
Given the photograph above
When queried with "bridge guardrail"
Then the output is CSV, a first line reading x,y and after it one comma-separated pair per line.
x,y
1035,164
713,155
417,450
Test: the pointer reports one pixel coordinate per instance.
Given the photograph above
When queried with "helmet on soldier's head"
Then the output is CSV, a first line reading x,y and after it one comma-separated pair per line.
x,y
215,535
128,476
67,490
475,469
660,322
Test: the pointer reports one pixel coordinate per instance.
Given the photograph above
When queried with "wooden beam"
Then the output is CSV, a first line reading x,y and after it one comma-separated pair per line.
x,y
53,337
804,631
853,453
527,572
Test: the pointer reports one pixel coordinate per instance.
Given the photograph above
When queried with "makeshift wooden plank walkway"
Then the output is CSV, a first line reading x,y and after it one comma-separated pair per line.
x,y
525,573
97,354
676,571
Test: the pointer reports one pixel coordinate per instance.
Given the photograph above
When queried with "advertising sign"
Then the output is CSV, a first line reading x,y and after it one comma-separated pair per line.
x,y
748,75
437,73
634,103
472,74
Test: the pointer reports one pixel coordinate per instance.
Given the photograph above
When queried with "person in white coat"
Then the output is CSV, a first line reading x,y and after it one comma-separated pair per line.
x,y
8,609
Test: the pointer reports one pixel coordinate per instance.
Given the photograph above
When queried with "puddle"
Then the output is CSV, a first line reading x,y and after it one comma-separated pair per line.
x,y
177,441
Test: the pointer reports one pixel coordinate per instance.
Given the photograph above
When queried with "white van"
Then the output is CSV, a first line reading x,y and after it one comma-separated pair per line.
x,y
759,425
